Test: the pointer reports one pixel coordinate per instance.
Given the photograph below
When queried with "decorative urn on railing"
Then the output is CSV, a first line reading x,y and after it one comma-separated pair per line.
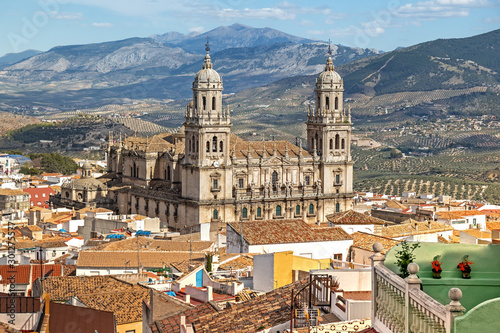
x,y
464,267
436,267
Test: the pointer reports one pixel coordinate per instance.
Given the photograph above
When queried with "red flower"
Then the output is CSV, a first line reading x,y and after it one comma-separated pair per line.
x,y
464,266
436,266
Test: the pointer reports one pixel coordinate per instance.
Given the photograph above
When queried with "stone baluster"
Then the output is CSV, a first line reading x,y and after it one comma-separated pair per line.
x,y
454,308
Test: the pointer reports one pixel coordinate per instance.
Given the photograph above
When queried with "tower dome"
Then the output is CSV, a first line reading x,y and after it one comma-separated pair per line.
x,y
329,76
207,77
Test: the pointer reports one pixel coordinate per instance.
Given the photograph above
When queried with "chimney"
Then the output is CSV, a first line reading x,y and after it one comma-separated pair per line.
x,y
210,293
188,299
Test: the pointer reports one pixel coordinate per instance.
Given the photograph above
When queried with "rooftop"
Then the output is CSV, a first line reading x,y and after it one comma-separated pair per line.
x,y
286,232
353,217
124,259
414,228
457,214
126,305
365,241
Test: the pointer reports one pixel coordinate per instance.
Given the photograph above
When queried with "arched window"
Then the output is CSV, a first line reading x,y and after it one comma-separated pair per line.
x,y
244,213
274,178
189,145
337,141
336,103
327,102
331,144
196,145
208,146
320,148
204,103
215,215
214,144
168,172
278,210
343,144
311,209
221,147
193,144
213,103
337,207
297,210
259,212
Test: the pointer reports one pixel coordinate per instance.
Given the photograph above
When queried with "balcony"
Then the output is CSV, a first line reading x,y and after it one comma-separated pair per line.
x,y
399,305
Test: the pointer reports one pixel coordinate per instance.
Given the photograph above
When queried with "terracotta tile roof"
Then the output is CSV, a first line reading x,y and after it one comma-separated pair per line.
x,y
8,191
457,214
257,148
238,262
61,289
64,316
32,228
352,217
365,241
126,305
477,233
414,228
286,232
358,295
395,204
266,310
124,259
59,218
492,225
149,244
186,266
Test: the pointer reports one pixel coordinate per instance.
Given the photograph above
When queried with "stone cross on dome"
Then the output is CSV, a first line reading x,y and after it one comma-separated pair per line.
x,y
329,47
207,46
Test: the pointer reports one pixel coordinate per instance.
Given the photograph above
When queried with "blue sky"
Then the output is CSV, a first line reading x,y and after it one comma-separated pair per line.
x,y
384,25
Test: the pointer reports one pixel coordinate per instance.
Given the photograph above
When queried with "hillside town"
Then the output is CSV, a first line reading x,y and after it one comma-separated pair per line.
x,y
204,231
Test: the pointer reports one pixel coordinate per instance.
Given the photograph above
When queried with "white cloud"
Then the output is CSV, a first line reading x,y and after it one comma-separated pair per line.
x,y
306,23
66,16
102,25
439,8
259,13
315,32
492,19
199,29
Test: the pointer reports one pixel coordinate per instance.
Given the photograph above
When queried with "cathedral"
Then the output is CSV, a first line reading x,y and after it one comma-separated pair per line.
x,y
206,174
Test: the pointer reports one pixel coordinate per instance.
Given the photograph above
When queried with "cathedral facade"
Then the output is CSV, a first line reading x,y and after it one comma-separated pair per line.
x,y
206,174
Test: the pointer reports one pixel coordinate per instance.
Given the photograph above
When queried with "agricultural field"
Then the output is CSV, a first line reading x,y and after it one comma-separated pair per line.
x,y
460,173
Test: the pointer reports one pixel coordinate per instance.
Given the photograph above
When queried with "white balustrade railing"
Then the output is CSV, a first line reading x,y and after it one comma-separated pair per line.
x,y
400,306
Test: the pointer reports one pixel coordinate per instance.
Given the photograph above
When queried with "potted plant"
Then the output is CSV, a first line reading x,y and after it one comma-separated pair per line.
x,y
436,267
405,256
464,267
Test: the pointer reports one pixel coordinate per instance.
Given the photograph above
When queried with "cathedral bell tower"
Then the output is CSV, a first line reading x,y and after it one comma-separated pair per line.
x,y
207,125
328,125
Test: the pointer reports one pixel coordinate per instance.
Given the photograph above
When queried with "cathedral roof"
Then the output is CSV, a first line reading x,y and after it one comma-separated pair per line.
x,y
157,143
329,75
241,147
85,183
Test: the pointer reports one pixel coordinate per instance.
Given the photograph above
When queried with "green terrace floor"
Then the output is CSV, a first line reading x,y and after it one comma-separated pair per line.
x,y
484,284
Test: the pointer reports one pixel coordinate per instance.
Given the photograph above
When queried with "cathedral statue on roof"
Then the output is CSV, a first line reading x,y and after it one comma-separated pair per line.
x,y
206,174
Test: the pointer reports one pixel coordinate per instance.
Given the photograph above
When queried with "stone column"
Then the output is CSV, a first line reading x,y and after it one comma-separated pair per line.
x,y
377,259
454,308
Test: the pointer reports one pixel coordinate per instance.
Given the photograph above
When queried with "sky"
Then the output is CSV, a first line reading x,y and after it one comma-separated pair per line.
x,y
379,24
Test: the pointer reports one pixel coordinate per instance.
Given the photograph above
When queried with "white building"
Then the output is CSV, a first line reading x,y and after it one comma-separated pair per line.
x,y
463,219
288,235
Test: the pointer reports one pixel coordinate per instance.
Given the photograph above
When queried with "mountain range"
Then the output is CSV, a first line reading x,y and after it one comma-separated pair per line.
x,y
162,67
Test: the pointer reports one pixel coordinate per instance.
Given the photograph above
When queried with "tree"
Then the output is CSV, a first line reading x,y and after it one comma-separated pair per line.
x,y
396,153
28,170
405,256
